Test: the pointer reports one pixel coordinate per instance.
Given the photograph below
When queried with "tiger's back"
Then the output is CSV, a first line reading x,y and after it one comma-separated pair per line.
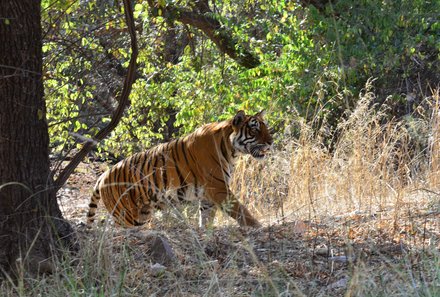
x,y
195,167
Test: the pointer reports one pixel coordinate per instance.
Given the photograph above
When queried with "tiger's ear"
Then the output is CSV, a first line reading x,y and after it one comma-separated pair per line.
x,y
239,118
260,114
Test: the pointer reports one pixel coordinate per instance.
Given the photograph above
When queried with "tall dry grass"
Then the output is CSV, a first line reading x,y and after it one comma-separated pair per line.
x,y
378,165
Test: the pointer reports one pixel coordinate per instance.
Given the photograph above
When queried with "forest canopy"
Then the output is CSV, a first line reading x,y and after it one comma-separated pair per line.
x,y
304,60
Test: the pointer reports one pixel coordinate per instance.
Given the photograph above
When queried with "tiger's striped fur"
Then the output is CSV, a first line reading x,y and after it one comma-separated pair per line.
x,y
195,167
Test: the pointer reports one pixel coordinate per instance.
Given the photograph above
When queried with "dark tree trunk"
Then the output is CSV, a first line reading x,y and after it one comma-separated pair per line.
x,y
30,220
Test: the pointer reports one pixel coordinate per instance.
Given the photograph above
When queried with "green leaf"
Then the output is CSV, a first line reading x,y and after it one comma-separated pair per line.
x,y
161,3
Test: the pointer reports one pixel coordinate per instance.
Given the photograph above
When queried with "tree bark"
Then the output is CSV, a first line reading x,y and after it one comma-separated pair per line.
x,y
30,220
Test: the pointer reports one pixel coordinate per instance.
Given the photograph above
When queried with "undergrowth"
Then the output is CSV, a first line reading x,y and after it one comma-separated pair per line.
x,y
361,219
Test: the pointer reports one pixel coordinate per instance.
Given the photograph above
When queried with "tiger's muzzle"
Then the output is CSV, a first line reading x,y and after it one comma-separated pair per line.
x,y
259,151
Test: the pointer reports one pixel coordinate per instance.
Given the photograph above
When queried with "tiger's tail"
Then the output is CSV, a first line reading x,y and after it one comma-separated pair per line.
x,y
93,205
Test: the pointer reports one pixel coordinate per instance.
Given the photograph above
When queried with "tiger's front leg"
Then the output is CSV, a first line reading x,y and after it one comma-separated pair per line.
x,y
224,198
239,212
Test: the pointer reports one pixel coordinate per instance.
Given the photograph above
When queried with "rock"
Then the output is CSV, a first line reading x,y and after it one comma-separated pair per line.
x,y
342,283
161,251
157,269
322,250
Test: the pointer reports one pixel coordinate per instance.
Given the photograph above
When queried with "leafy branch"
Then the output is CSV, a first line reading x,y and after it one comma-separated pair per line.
x,y
118,112
204,19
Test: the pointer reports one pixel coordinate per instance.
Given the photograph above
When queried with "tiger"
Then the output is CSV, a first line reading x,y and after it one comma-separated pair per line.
x,y
197,167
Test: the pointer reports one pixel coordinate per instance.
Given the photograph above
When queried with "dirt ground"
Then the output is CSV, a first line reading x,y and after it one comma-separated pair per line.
x,y
352,254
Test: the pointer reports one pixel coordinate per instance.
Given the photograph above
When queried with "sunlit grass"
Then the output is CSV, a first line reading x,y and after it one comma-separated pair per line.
x,y
373,198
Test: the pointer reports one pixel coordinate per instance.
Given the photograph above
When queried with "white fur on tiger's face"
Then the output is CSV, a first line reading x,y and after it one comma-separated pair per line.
x,y
251,135
195,167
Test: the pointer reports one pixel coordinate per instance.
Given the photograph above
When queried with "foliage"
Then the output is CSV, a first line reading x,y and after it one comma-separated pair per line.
x,y
397,42
313,63
75,81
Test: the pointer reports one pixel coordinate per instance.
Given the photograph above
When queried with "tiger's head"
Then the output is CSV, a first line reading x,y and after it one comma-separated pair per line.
x,y
251,135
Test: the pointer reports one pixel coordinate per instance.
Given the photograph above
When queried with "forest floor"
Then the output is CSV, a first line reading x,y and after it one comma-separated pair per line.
x,y
351,254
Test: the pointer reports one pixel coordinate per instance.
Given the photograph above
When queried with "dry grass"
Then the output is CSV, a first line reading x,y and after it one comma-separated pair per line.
x,y
377,163
361,220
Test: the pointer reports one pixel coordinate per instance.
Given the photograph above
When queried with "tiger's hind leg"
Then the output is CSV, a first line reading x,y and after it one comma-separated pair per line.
x,y
206,213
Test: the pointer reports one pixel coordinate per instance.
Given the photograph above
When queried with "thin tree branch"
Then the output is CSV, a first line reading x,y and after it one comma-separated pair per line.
x,y
220,36
117,114
51,124
205,22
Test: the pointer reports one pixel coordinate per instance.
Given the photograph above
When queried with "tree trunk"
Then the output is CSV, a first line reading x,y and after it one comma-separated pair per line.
x,y
30,219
